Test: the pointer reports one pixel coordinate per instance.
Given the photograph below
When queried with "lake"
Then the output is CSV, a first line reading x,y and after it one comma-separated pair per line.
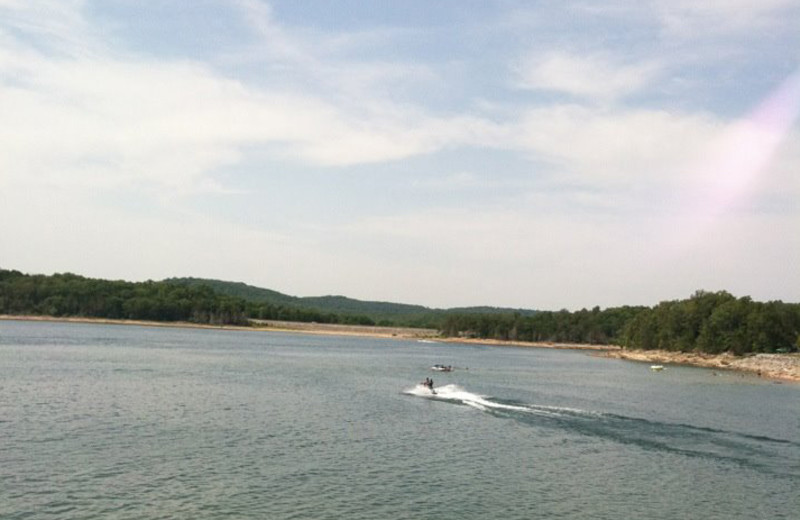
x,y
131,422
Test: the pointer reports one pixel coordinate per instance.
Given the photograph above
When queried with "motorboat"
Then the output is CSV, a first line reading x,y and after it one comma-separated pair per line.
x,y
656,368
442,368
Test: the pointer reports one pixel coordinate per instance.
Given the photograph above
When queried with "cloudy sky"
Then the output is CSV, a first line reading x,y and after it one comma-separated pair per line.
x,y
528,154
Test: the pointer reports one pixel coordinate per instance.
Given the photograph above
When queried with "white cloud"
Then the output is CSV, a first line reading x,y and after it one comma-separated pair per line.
x,y
280,45
318,62
116,119
103,118
617,146
463,180
700,19
595,77
57,25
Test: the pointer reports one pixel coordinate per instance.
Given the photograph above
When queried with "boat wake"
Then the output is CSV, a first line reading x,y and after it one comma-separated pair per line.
x,y
758,452
458,395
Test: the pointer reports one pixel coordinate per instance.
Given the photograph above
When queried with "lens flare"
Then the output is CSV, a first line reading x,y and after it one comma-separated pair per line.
x,y
727,175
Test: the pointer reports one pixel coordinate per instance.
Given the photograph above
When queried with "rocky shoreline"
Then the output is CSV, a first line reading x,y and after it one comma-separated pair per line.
x,y
785,367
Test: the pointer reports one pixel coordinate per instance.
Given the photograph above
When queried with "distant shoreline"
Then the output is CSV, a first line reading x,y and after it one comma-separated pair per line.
x,y
333,329
531,344
258,326
784,367
105,321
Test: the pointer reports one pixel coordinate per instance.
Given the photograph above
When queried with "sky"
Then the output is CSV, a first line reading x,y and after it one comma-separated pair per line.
x,y
531,154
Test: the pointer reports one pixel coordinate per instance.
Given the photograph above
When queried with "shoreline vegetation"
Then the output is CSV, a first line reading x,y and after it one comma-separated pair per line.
x,y
783,367
712,329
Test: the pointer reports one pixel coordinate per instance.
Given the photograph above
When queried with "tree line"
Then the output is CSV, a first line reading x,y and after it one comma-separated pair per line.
x,y
711,322
716,322
67,294
600,327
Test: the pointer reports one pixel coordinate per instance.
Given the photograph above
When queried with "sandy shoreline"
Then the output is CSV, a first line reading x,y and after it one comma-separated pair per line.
x,y
784,367
345,330
258,325
324,329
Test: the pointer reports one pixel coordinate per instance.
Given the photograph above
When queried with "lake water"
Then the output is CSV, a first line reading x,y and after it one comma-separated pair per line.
x,y
125,422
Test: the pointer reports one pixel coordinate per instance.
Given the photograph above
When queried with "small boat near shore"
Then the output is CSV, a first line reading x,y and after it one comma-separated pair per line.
x,y
656,368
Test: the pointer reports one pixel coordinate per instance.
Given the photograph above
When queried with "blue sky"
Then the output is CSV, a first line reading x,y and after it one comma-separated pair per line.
x,y
541,155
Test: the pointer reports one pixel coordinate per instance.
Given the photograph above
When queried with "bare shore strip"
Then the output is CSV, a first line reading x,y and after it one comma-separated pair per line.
x,y
784,367
257,325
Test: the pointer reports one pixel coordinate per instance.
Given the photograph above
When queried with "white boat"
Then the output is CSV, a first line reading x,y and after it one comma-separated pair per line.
x,y
442,368
656,368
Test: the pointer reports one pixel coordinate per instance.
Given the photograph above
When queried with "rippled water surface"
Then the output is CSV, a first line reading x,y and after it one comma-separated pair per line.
x,y
119,422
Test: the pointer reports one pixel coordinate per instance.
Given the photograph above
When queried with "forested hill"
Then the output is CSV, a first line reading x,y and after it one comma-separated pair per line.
x,y
337,304
189,300
196,300
77,296
380,312
239,290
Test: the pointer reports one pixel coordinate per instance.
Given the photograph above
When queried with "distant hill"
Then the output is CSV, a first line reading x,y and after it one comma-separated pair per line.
x,y
342,304
490,310
396,313
385,312
239,290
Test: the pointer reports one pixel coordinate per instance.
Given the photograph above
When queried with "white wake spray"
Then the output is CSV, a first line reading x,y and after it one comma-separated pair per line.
x,y
457,394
